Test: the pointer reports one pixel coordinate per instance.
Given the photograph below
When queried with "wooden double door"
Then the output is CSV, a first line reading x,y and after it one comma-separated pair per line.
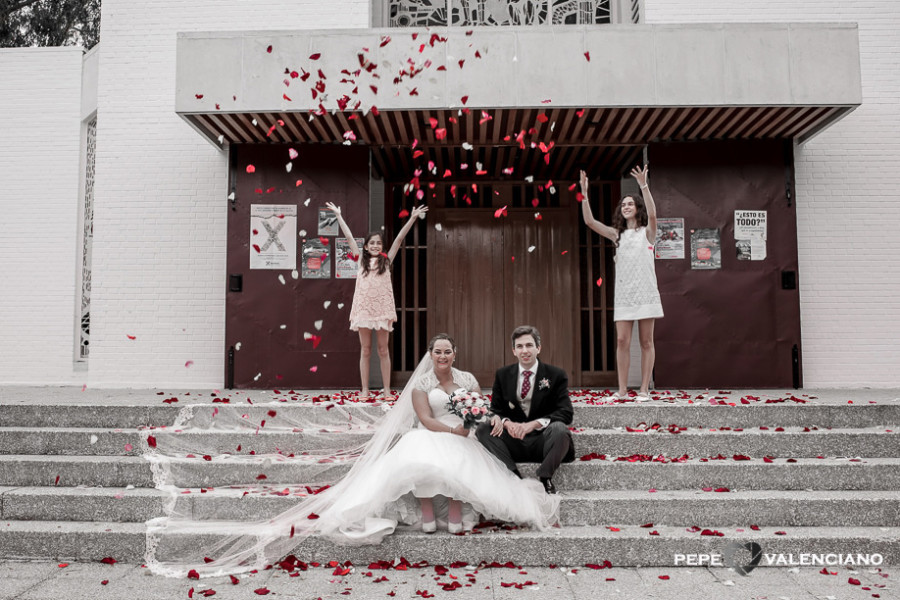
x,y
487,275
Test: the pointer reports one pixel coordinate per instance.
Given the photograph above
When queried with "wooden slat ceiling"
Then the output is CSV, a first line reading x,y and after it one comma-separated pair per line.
x,y
543,142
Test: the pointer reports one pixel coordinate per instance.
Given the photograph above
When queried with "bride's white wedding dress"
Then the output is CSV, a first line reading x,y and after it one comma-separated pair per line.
x,y
401,462
425,464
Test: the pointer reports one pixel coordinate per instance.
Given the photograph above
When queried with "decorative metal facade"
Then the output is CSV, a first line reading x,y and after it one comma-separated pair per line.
x,y
431,13
87,239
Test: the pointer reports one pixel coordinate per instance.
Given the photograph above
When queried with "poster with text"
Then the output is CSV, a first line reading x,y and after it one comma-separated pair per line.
x,y
669,238
345,266
316,259
750,234
706,249
273,236
750,224
328,223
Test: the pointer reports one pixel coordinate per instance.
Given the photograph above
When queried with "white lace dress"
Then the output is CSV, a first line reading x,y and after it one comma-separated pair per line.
x,y
636,292
424,464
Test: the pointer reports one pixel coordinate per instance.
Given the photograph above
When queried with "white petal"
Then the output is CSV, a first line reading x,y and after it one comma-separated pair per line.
x,y
258,375
306,202
340,306
288,167
438,226
237,346
281,279
302,233
295,274
327,303
531,248
318,325
94,439
284,326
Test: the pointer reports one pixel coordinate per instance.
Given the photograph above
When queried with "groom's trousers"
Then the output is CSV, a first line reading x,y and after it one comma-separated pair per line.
x,y
549,446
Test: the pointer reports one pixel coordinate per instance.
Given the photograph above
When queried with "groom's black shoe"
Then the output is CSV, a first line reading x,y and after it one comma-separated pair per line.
x,y
548,485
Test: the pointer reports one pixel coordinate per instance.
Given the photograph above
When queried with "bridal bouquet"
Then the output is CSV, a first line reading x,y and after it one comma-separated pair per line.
x,y
471,407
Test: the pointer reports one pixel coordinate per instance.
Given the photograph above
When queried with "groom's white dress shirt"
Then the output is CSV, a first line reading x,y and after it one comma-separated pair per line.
x,y
526,401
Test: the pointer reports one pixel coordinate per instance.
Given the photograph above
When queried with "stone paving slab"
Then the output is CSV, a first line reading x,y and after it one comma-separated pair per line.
x,y
754,474
802,474
70,406
78,581
601,508
880,441
629,545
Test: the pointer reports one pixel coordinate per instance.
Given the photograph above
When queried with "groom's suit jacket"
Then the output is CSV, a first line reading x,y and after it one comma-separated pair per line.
x,y
549,400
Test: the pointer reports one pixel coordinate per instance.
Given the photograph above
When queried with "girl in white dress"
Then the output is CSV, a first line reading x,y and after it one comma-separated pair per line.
x,y
636,294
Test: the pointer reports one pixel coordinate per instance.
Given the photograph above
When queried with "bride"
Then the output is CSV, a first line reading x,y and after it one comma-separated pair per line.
x,y
421,468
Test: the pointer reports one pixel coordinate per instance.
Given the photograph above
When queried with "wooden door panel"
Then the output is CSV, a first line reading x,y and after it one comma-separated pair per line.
x,y
541,286
465,288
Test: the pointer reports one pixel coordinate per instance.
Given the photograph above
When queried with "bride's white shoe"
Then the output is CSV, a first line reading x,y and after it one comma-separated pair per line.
x,y
429,526
454,527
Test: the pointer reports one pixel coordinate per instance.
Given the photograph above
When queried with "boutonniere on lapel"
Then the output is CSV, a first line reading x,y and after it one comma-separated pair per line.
x,y
544,384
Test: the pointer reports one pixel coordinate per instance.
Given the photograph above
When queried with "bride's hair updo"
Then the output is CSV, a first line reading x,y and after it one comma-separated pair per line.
x,y
437,338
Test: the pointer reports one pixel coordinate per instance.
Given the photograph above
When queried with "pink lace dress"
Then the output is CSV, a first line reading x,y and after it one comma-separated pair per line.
x,y
373,301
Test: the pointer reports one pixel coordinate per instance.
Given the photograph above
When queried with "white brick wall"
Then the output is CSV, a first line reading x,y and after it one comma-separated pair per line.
x,y
848,196
40,102
160,213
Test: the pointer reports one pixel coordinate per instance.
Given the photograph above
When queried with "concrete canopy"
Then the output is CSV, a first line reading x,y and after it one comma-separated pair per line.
x,y
609,85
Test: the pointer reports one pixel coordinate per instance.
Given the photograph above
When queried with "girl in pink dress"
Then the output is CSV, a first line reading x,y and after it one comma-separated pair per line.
x,y
373,300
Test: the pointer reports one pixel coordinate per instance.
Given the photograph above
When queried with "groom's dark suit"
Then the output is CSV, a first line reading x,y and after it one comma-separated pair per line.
x,y
549,446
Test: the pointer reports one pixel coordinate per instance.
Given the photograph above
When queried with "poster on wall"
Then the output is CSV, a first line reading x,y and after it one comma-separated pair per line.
x,y
750,234
345,265
670,238
273,236
706,249
316,259
328,223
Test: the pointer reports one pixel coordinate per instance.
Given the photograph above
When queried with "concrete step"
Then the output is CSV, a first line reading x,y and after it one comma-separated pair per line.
x,y
792,442
630,546
601,508
114,413
753,474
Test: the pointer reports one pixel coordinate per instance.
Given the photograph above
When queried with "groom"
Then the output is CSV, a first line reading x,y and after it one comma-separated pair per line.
x,y
531,409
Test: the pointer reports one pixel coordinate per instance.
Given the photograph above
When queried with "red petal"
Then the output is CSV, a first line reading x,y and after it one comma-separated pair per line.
x,y
315,56
234,580
269,49
62,565
853,581
543,118
151,441
193,574
664,577
440,133
599,281
261,591
104,582
403,214
108,560
130,337
312,516
251,169
587,55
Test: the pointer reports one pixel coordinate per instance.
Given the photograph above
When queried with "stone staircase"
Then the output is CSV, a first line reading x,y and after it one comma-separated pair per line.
x,y
806,474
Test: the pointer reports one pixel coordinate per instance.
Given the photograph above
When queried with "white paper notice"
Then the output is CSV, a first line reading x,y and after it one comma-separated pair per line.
x,y
750,234
273,236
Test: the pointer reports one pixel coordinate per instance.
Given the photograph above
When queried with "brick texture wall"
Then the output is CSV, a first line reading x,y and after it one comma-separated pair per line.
x,y
160,215
848,196
40,102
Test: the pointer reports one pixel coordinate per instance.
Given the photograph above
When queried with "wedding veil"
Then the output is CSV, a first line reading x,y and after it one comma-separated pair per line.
x,y
193,534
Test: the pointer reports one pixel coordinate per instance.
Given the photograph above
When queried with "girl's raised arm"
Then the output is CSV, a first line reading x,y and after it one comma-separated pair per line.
x,y
354,248
398,241
640,175
606,231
